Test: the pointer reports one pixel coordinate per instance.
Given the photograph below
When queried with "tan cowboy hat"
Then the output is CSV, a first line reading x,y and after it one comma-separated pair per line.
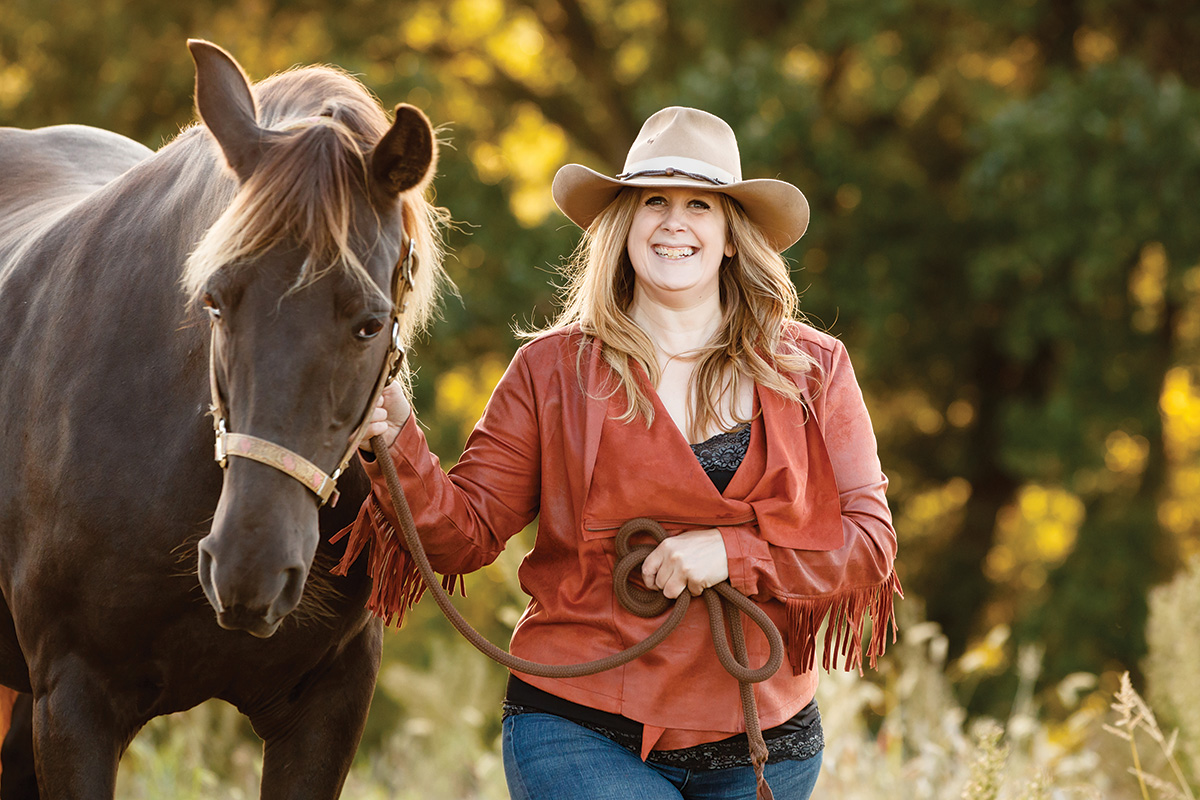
x,y
686,147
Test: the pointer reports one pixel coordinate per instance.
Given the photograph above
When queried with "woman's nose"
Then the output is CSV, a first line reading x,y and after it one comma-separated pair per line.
x,y
673,220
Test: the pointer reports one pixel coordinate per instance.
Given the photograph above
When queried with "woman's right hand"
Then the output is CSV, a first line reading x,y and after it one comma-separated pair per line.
x,y
388,417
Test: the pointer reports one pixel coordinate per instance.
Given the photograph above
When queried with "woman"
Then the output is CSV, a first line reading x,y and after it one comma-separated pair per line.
x,y
677,384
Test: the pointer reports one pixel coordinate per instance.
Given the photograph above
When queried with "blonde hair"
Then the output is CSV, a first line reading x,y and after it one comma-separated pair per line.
x,y
758,301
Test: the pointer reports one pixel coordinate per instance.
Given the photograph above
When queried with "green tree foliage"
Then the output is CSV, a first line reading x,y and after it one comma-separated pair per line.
x,y
1003,233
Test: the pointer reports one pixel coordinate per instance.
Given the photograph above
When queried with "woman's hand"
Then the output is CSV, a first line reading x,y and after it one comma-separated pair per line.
x,y
694,560
388,416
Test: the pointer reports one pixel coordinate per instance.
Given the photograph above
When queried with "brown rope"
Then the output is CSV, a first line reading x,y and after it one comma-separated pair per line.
x,y
723,601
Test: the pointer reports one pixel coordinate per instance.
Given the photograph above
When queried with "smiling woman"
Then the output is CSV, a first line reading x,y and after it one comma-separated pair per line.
x,y
677,384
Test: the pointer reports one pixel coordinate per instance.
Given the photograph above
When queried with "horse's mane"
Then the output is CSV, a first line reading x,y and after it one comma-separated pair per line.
x,y
325,124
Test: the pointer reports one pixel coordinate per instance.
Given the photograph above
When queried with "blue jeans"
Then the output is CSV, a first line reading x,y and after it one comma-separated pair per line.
x,y
551,758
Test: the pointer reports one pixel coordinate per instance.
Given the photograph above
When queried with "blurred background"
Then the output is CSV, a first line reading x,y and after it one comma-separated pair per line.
x,y
1005,234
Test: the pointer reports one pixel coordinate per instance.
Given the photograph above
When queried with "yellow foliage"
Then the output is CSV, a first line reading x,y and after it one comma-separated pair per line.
x,y
532,149
804,65
14,85
1147,287
1180,511
519,49
471,68
423,28
631,61
986,656
472,19
638,15
489,161
923,94
463,392
934,511
859,77
1125,454
1036,532
1093,46
961,413
1002,71
1180,406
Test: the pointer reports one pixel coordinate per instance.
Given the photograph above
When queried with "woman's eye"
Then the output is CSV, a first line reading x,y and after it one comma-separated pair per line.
x,y
656,201
210,305
700,204
369,329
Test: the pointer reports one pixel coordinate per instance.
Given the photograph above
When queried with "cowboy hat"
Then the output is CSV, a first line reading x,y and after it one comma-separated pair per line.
x,y
686,147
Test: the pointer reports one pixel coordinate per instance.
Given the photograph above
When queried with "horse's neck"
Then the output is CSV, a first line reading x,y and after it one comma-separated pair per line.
x,y
138,229
171,200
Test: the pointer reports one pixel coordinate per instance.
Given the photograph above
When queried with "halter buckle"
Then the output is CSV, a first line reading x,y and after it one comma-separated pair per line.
x,y
220,452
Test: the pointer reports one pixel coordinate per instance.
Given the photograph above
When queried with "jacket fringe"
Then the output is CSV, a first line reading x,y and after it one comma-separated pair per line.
x,y
846,612
396,584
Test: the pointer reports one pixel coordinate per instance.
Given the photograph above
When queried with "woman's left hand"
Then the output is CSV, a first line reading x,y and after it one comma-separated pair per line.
x,y
693,560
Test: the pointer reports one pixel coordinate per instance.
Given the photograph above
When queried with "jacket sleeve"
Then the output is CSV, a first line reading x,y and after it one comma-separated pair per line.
x,y
464,517
843,584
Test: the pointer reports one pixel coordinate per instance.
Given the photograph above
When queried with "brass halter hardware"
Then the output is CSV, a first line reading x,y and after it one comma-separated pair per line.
x,y
323,485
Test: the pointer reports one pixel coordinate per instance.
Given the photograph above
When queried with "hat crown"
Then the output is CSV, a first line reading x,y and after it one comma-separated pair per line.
x,y
690,148
687,139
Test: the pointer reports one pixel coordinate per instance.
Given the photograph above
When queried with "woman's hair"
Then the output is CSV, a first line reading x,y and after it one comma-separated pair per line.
x,y
758,302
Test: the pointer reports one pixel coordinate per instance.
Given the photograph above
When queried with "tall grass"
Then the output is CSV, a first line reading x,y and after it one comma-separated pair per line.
x,y
1173,663
898,734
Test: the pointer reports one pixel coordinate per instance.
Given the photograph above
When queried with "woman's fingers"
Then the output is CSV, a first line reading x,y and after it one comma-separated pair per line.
x,y
388,416
690,561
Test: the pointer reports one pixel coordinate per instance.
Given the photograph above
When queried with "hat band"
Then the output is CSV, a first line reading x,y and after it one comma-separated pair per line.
x,y
669,172
673,166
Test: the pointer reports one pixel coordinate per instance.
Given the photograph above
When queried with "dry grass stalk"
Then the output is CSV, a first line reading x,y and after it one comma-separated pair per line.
x,y
1135,715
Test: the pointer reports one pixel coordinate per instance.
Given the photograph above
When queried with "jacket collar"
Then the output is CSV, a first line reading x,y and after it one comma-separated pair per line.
x,y
788,484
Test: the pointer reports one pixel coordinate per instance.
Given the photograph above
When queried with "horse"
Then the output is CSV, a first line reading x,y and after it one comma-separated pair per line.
x,y
243,270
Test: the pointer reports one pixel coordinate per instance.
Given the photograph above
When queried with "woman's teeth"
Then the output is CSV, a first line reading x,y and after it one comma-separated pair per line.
x,y
673,252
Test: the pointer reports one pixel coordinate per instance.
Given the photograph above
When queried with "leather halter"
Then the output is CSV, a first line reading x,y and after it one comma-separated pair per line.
x,y
323,485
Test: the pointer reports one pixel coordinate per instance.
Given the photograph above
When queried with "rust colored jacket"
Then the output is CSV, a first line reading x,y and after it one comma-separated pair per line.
x,y
804,520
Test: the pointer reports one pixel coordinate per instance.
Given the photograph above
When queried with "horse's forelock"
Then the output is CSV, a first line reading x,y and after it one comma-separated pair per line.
x,y
320,91
305,189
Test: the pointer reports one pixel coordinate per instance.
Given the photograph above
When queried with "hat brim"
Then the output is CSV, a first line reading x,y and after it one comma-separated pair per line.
x,y
778,208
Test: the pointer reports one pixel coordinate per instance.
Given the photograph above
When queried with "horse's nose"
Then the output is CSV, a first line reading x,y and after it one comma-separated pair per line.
x,y
245,598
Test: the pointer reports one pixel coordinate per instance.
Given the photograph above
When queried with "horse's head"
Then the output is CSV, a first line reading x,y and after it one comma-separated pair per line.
x,y
297,277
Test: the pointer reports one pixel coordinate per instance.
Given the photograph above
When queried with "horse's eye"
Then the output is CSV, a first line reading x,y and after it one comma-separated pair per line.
x,y
369,329
210,305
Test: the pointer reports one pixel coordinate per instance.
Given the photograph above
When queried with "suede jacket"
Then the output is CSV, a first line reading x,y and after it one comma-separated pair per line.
x,y
805,523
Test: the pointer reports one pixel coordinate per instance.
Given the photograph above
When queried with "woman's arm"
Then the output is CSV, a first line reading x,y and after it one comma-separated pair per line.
x,y
853,579
463,518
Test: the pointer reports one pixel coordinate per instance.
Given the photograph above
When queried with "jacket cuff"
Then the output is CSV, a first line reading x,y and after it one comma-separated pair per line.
x,y
745,552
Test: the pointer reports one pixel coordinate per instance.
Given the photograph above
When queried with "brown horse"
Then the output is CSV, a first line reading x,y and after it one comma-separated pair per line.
x,y
285,214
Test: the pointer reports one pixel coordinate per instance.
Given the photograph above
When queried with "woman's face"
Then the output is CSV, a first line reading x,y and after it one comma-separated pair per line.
x,y
676,243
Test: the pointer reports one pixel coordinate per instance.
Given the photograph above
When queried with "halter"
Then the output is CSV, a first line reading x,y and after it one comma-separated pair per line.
x,y
323,485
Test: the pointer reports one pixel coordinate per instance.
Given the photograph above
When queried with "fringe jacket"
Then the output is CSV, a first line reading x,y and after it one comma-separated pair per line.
x,y
804,520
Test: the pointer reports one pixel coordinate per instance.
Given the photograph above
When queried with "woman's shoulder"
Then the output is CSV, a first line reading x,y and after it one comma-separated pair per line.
x,y
824,347
550,347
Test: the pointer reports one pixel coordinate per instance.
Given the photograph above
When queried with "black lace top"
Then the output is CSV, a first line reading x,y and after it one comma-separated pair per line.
x,y
722,454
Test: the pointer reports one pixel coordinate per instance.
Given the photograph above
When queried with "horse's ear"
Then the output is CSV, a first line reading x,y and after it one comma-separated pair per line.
x,y
405,155
226,106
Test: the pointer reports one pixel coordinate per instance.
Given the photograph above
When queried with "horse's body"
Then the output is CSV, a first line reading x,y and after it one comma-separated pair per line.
x,y
107,478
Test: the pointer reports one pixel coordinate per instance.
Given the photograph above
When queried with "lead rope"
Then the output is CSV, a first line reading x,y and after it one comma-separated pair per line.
x,y
723,601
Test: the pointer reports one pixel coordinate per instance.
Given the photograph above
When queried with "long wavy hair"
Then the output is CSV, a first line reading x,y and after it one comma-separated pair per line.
x,y
759,304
